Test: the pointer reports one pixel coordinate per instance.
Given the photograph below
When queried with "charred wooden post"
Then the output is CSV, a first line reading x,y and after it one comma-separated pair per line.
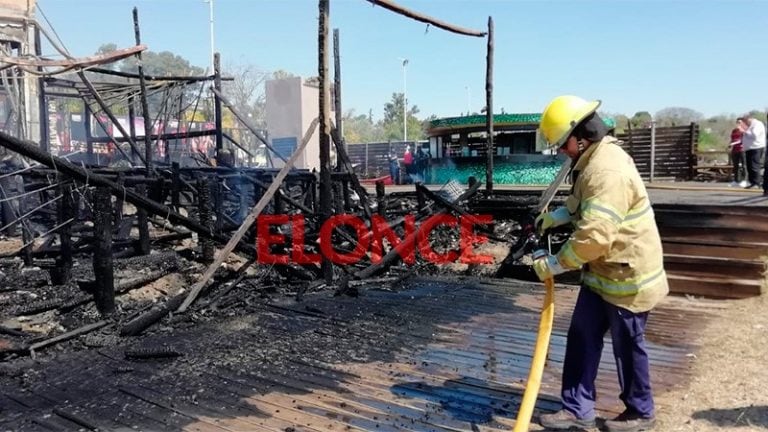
x,y
471,181
345,193
26,234
217,104
218,203
337,98
42,98
144,104
118,211
489,108
338,202
205,215
143,222
420,199
88,132
104,289
245,202
8,213
278,205
175,186
65,212
132,125
381,198
326,198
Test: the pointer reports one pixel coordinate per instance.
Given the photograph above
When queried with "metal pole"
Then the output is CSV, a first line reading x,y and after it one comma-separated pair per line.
x,y
653,149
210,23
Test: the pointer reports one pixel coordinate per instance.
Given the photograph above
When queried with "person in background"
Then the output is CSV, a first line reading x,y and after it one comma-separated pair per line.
x,y
394,168
737,155
617,246
753,141
408,162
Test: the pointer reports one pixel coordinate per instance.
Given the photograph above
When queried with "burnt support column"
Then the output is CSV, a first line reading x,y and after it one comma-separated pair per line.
x,y
26,234
88,132
104,288
144,103
119,200
65,211
206,218
6,207
175,185
132,125
143,223
217,104
381,198
489,108
218,203
326,192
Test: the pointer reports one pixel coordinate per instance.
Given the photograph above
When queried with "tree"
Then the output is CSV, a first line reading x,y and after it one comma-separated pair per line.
x,y
392,123
677,116
641,119
246,92
360,128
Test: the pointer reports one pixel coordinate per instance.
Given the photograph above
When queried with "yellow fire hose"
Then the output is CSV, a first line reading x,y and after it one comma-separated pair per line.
x,y
523,420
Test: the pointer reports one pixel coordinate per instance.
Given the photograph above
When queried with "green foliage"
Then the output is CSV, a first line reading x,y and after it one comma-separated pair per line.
x,y
677,116
641,119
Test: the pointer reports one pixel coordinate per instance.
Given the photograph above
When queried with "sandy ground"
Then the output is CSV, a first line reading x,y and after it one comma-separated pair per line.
x,y
729,390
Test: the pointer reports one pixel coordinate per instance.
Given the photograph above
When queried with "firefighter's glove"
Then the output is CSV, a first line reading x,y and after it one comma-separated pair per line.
x,y
545,221
547,267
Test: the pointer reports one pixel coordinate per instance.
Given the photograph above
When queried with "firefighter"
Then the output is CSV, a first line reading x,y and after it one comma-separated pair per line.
x,y
617,246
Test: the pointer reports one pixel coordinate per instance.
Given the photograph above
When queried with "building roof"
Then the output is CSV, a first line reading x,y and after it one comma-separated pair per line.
x,y
475,122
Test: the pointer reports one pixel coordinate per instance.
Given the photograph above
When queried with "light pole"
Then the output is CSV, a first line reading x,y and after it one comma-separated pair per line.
x,y
405,102
210,15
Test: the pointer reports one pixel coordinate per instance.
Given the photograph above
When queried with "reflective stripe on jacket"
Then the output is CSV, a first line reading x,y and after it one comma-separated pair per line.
x,y
615,240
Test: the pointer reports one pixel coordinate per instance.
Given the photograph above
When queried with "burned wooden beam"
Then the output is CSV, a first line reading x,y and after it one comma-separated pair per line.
x,y
142,221
205,216
387,4
66,336
70,63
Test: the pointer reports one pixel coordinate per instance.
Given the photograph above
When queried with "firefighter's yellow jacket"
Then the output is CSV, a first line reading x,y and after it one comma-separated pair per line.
x,y
615,240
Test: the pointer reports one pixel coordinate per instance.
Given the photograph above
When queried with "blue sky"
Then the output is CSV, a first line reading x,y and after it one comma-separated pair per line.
x,y
634,55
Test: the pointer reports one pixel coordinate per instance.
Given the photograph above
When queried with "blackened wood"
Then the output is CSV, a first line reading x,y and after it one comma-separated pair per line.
x,y
66,211
42,98
345,193
143,224
420,199
489,108
218,203
97,97
283,195
143,96
381,198
68,335
175,186
337,97
26,234
32,151
326,192
132,125
118,209
388,4
9,215
205,215
88,132
217,103
104,293
255,212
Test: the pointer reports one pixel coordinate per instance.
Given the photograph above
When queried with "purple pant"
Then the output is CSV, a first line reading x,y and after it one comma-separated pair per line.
x,y
592,318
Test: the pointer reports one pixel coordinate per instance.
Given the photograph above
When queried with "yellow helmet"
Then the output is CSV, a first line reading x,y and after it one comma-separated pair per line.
x,y
562,115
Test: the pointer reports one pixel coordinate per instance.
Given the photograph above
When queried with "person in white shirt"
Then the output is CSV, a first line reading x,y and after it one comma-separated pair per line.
x,y
753,141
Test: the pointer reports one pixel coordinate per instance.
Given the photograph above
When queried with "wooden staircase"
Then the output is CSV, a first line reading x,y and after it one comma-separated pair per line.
x,y
714,251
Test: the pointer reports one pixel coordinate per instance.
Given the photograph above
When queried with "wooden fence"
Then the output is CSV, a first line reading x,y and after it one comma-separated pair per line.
x,y
674,151
372,159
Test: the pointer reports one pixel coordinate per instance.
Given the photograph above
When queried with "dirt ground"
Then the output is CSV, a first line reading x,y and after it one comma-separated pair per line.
x,y
729,390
